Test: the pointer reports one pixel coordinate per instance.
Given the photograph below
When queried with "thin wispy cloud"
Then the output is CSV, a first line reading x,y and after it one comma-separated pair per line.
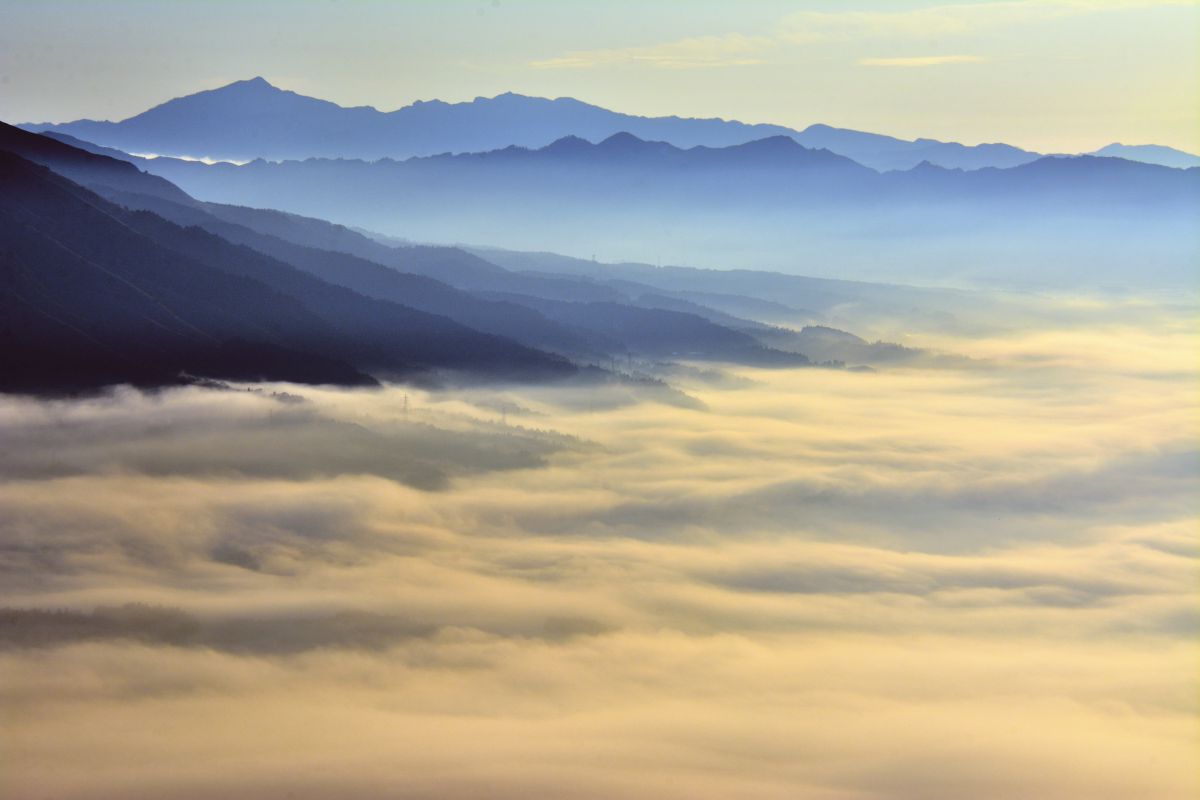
x,y
943,20
920,61
691,53
814,27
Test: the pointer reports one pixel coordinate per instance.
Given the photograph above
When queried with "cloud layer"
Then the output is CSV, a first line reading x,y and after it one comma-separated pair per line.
x,y
925,582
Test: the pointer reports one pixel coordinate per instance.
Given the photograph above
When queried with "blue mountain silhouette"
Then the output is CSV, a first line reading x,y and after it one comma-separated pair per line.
x,y
769,203
1150,154
254,119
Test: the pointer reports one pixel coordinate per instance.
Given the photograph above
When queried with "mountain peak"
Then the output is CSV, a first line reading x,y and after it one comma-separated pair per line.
x,y
771,147
777,142
257,83
622,140
927,167
504,97
1151,154
568,144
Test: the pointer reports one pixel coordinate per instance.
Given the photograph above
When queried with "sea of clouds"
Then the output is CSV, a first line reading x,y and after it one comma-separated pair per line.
x,y
971,578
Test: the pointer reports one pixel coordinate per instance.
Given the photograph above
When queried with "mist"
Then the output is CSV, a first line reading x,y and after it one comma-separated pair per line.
x,y
964,576
1062,223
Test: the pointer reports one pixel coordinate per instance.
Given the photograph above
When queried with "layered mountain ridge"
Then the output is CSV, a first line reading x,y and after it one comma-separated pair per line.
x,y
252,119
148,285
771,203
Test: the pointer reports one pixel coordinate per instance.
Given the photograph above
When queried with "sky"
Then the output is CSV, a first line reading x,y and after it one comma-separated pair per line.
x,y
1049,75
954,579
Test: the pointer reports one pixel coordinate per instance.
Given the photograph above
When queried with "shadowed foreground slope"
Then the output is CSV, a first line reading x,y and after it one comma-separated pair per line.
x,y
95,294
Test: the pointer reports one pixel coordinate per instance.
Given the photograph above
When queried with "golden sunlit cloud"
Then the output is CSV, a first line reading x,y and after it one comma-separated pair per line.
x,y
923,582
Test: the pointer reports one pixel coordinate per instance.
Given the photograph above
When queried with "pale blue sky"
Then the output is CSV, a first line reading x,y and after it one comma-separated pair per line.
x,y
1046,74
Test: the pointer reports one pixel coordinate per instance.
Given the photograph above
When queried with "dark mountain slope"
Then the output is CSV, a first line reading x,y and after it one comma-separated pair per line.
x,y
213,291
322,270
87,301
453,266
378,335
119,179
98,171
374,330
588,330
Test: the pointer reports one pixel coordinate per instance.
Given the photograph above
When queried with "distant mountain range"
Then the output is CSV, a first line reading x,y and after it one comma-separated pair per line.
x,y
123,268
1150,154
770,203
254,119
112,275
